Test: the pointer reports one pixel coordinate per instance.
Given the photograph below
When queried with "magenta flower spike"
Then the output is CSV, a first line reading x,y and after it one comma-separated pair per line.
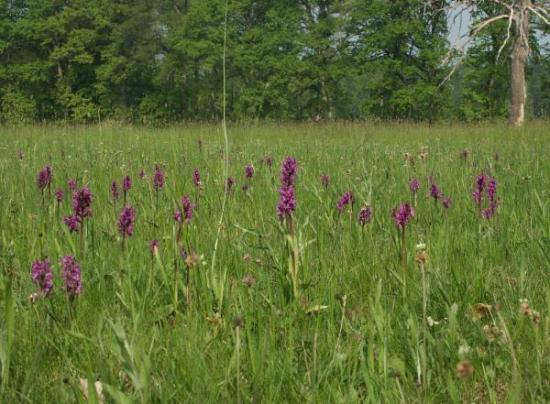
x,y
114,191
287,196
72,184
126,184
492,190
287,202
486,186
285,209
435,192
44,178
82,203
70,273
158,178
188,207
492,199
289,171
481,182
197,177
249,171
59,195
82,208
365,215
72,223
42,275
402,215
345,200
126,221
229,182
178,216
414,185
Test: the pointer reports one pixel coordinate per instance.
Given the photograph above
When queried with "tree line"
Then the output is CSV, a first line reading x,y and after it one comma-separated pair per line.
x,y
160,61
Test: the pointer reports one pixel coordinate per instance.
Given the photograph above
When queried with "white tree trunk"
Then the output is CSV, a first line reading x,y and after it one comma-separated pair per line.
x,y
520,51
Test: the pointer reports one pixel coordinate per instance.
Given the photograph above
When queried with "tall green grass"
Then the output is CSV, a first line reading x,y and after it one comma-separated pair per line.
x,y
356,333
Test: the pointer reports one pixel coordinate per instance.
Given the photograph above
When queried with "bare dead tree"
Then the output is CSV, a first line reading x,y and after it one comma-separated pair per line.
x,y
517,13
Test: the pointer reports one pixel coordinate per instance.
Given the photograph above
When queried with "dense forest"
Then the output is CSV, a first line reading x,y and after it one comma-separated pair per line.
x,y
160,61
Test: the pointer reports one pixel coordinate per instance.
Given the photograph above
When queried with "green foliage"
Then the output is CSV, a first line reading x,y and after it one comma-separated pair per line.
x,y
539,84
17,107
484,77
540,78
399,46
160,61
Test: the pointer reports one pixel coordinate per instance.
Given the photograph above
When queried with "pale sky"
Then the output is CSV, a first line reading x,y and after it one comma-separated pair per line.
x,y
460,24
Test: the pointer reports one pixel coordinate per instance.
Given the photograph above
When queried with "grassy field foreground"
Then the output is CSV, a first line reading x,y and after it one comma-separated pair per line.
x,y
325,310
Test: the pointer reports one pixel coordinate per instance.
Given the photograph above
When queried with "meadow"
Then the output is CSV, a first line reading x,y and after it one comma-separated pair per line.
x,y
446,299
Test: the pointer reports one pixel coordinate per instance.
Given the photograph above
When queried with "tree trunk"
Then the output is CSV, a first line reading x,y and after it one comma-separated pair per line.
x,y
520,51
